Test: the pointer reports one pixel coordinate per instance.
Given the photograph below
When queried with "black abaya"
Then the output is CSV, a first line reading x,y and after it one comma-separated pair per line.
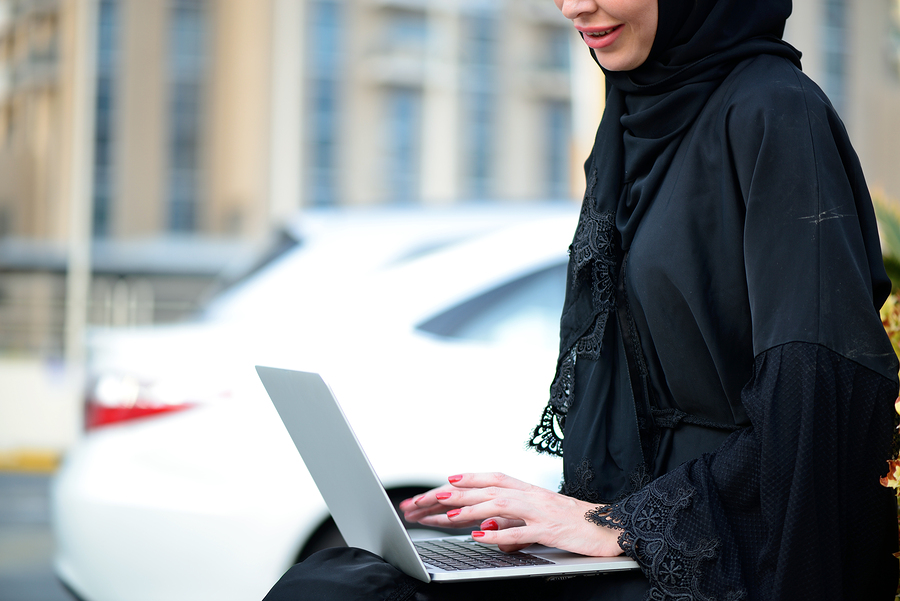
x,y
724,386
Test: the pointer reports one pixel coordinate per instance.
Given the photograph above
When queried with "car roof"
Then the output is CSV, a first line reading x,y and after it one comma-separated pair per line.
x,y
338,244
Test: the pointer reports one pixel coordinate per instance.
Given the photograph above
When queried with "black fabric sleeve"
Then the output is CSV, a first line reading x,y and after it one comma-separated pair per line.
x,y
789,508
812,255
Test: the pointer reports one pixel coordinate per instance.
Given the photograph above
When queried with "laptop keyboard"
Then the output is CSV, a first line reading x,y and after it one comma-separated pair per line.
x,y
467,554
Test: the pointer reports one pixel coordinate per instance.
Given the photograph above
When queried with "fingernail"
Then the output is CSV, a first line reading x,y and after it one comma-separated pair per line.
x,y
454,479
489,525
443,496
453,513
477,534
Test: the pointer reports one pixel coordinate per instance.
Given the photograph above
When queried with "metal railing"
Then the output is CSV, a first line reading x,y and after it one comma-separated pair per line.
x,y
32,310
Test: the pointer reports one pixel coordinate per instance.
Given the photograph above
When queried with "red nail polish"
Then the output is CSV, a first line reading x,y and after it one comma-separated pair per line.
x,y
443,496
477,534
454,479
489,525
453,513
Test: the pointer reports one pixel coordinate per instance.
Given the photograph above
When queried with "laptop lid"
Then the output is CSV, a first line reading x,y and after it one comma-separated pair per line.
x,y
337,463
356,498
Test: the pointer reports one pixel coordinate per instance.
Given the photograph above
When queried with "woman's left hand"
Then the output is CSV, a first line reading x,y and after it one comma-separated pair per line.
x,y
513,515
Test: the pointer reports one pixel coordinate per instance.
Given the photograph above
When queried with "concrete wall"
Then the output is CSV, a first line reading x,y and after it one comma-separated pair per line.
x,y
40,412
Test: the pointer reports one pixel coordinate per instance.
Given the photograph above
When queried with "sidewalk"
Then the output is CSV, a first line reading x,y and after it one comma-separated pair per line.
x,y
26,542
40,413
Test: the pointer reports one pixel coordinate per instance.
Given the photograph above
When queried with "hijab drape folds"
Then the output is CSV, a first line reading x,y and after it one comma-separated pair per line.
x,y
649,109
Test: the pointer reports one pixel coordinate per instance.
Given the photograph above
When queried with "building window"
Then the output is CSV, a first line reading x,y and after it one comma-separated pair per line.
x,y
6,226
557,151
835,55
325,49
404,124
104,127
187,68
894,37
406,31
479,83
558,56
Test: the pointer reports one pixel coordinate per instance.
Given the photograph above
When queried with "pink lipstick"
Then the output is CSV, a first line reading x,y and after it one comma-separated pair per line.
x,y
599,37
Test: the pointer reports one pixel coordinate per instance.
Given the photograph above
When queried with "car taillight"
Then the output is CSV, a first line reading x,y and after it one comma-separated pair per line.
x,y
96,415
117,399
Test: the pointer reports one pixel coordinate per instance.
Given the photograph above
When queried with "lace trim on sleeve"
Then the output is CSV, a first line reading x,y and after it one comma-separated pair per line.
x,y
547,436
579,487
592,267
647,520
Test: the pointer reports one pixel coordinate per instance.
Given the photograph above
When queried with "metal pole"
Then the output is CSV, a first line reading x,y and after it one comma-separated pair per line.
x,y
285,112
84,90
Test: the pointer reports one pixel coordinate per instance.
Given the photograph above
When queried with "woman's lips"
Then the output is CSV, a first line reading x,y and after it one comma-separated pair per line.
x,y
596,37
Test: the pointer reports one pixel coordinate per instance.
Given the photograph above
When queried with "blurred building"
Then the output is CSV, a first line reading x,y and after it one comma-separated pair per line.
x,y
216,120
851,48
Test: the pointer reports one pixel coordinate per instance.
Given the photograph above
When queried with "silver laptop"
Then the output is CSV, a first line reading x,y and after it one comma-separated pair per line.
x,y
364,514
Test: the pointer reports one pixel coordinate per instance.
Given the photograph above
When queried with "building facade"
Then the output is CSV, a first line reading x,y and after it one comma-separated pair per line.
x,y
219,119
214,121
199,103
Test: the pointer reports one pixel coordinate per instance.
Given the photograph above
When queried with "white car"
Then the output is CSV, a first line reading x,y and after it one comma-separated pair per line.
x,y
438,334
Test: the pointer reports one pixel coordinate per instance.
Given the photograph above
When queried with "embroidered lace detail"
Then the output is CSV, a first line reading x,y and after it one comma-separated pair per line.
x,y
638,479
593,242
593,257
648,520
587,225
594,247
547,436
581,488
563,384
590,344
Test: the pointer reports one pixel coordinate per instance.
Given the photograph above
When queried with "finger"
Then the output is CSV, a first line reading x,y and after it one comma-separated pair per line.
x,y
481,504
424,510
510,539
488,479
492,524
496,518
428,498
512,548
498,523
424,501
464,497
420,514
409,504
442,521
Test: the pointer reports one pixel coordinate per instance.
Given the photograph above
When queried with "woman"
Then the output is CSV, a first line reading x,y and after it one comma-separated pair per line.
x,y
723,395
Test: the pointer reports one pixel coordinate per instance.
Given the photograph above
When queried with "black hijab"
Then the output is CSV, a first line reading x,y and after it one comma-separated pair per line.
x,y
648,110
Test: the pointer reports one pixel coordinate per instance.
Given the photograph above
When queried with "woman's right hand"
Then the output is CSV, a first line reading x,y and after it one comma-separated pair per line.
x,y
513,514
426,506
